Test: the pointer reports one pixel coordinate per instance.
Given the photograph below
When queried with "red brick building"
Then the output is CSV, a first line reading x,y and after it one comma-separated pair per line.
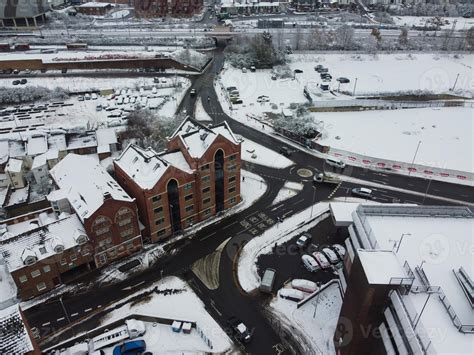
x,y
195,178
161,8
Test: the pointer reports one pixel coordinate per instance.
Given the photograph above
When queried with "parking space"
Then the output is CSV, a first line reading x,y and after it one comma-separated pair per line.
x,y
286,258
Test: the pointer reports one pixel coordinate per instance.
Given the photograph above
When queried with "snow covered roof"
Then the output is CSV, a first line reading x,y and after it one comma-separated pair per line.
x,y
39,161
4,152
14,165
146,167
96,4
18,196
83,140
36,144
197,138
106,136
14,337
430,240
39,243
381,266
86,183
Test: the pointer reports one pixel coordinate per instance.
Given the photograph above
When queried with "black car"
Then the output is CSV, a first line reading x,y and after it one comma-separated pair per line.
x,y
16,82
285,151
298,71
318,67
325,76
343,80
240,330
23,81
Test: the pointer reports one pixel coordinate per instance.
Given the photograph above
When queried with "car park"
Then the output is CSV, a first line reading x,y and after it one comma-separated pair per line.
x,y
303,240
309,263
339,249
331,255
240,330
304,285
343,80
322,261
291,294
362,192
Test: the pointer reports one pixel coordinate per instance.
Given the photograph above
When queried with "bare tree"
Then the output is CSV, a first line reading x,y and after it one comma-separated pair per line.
x,y
377,36
470,37
403,37
345,37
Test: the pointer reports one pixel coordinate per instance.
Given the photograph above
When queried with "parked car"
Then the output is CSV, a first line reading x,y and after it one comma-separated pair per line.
x,y
192,93
326,76
80,98
23,81
331,255
318,67
337,163
285,151
263,98
16,82
291,294
231,88
253,69
240,330
323,70
339,249
94,96
244,70
303,240
236,100
322,261
297,71
87,96
274,77
268,279
362,192
16,71
130,347
309,263
304,285
343,80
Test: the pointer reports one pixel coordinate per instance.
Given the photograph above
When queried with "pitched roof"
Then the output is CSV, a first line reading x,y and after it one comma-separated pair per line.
x,y
146,166
14,338
86,182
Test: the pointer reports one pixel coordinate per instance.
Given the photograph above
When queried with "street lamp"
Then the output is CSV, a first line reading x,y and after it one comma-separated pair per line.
x,y
401,239
64,309
414,157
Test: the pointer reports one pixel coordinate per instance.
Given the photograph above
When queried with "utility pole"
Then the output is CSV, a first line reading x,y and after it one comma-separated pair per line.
x,y
64,309
455,82
426,192
355,84
414,157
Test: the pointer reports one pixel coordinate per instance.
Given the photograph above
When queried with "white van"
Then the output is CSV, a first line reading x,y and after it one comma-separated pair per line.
x,y
337,163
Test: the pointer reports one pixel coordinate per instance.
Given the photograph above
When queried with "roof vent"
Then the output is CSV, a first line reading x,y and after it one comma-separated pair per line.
x,y
107,196
204,136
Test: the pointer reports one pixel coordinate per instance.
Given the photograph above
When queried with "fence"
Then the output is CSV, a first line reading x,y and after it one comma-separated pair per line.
x,y
364,104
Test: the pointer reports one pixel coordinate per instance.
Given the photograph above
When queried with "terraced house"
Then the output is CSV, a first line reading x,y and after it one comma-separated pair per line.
x,y
195,178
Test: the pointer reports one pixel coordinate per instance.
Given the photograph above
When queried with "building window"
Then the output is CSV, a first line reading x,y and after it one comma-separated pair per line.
x,y
158,210
190,221
206,201
159,221
188,186
85,251
232,179
125,222
35,273
233,199
233,157
188,197
63,262
161,232
206,178
47,268
41,286
102,231
232,189
127,233
205,167
207,212
206,190
189,208
156,198
231,167
23,279
73,257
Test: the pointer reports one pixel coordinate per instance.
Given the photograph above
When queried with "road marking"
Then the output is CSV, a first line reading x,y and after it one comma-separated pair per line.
x,y
99,306
408,201
74,314
229,225
87,310
45,324
59,319
287,213
208,236
277,207
380,181
298,201
130,287
214,306
387,196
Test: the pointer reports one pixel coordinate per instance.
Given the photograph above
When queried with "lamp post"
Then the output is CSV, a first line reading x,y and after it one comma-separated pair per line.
x,y
64,309
401,239
426,192
355,85
414,157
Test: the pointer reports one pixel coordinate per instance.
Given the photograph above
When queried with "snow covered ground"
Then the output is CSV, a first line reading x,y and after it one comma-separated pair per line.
x,y
258,154
315,321
172,299
288,190
446,135
462,24
279,233
200,113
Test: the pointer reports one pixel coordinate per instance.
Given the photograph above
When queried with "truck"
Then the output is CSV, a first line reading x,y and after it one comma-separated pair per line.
x,y
323,177
268,279
132,329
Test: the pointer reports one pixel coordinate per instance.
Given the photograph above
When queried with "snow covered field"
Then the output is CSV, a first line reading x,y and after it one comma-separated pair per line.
x,y
446,135
462,24
279,233
258,154
315,321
